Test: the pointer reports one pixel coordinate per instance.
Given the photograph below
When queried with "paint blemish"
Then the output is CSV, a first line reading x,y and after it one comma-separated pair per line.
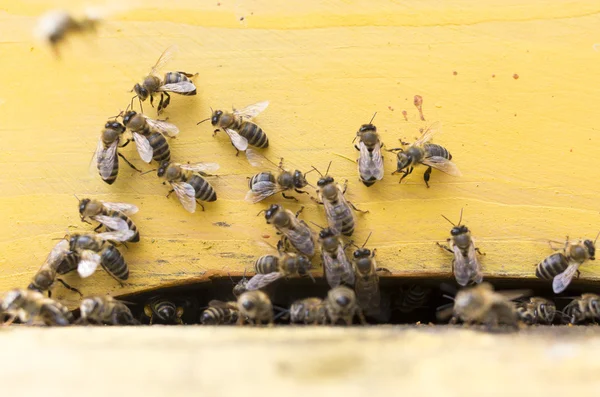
x,y
515,76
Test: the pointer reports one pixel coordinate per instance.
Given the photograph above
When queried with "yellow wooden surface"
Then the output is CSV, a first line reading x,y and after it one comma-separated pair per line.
x,y
527,146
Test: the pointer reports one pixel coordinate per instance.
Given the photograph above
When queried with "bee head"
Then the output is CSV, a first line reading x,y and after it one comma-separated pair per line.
x,y
362,253
128,116
325,233
324,181
591,248
367,127
115,125
403,160
216,116
162,168
207,319
140,91
458,230
83,203
299,180
271,211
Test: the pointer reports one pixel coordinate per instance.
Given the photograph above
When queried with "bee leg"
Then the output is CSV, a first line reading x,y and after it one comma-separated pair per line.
x,y
356,147
299,211
301,191
345,186
406,173
160,104
356,209
126,143
97,227
427,175
167,100
444,247
316,200
479,251
188,74
128,163
152,100
394,150
288,197
200,204
67,286
170,191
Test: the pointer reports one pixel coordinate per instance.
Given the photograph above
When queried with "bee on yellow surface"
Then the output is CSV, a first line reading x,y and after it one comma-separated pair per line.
x,y
270,268
149,136
54,26
188,184
265,184
294,230
59,261
94,249
114,216
105,156
370,160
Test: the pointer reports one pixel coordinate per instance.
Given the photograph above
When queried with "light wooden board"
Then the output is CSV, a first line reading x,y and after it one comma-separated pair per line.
x,y
527,147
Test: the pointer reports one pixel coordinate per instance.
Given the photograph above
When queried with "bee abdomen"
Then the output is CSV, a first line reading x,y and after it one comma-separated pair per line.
x,y
266,264
254,134
164,309
436,150
261,177
160,147
113,262
132,226
414,298
176,77
551,266
368,182
218,316
113,175
204,191
68,264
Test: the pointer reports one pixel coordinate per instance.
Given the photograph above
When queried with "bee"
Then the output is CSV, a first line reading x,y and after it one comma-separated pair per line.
x,y
31,307
536,311
562,266
336,266
163,310
413,297
105,156
429,154
341,304
149,136
94,249
253,307
219,314
59,261
308,311
241,286
370,161
56,25
114,216
367,274
105,310
188,183
586,307
177,82
270,268
465,265
294,230
265,184
239,128
337,208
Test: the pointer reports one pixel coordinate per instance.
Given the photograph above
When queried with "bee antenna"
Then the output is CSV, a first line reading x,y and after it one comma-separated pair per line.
x,y
444,216
144,173
244,275
231,278
597,235
261,212
320,227
461,214
200,122
356,136
314,168
327,172
368,237
375,114
76,197
310,185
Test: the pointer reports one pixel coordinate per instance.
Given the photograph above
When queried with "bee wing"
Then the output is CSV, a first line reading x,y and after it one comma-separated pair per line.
x,y
251,111
259,281
164,58
562,281
238,141
433,129
474,266
257,160
127,209
58,253
89,261
143,147
515,293
370,164
163,127
442,164
299,235
112,222
461,269
182,87
261,191
348,271
222,305
186,195
117,235
200,167
106,158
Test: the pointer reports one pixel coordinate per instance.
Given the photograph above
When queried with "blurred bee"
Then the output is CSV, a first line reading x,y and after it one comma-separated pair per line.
x,y
270,268
584,308
337,208
177,82
188,183
294,230
60,258
219,313
336,266
241,286
370,161
341,304
429,154
56,25
413,297
465,265
32,308
562,266
114,216
239,128
94,249
264,184
367,274
253,307
308,311
163,310
149,136
106,153
105,310
536,311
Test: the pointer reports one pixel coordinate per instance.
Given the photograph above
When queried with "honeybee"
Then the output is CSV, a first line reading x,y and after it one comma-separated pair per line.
x,y
465,265
253,307
308,311
105,156
57,262
536,311
219,314
370,160
31,308
429,154
270,268
93,250
295,231
177,82
341,304
163,310
105,310
264,184
367,274
239,128
55,25
149,136
562,266
413,297
114,216
586,307
188,183
337,208
336,266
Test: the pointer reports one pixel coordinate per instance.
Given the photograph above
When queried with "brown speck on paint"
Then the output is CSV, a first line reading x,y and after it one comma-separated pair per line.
x,y
571,150
418,101
455,73
515,76
493,75
391,108
515,115
265,236
405,114
218,4
242,18
30,49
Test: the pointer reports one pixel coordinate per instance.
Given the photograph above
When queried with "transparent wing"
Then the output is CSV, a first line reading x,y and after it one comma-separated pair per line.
x,y
186,195
474,266
143,147
258,160
238,141
562,281
336,213
301,237
346,266
514,293
262,280
222,305
261,191
88,263
442,164
461,269
182,87
429,133
164,58
106,158
127,209
57,254
117,235
251,111
163,127
112,222
200,167
370,164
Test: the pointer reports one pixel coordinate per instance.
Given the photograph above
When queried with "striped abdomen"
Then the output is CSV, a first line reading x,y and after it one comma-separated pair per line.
x,y
204,191
252,132
68,264
552,266
261,177
431,149
160,147
176,77
219,316
413,298
164,310
267,264
113,262
367,291
342,216
115,169
132,226
575,311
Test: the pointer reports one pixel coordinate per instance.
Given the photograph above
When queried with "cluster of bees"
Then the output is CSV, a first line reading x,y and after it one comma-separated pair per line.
x,y
354,280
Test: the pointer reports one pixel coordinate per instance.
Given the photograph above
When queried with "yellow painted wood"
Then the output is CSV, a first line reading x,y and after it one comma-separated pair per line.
x,y
527,146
